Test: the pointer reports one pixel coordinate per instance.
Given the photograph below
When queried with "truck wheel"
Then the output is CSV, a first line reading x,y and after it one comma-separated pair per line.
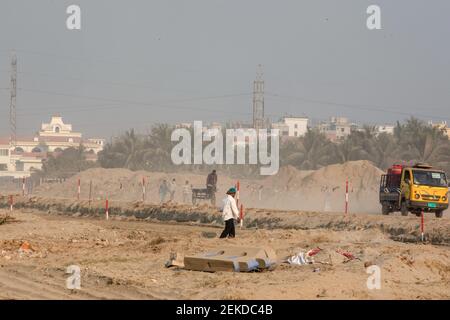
x,y
404,209
385,209
439,213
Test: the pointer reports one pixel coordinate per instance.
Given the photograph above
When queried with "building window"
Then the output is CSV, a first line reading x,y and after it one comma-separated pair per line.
x,y
296,126
36,150
4,152
57,129
18,150
19,166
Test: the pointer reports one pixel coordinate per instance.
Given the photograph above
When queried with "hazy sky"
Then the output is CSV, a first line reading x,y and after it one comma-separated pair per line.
x,y
135,63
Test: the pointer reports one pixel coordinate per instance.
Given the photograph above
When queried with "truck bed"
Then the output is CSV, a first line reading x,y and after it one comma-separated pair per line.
x,y
390,188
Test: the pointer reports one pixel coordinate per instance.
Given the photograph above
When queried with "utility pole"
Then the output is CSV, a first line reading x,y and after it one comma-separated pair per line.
x,y
12,106
258,100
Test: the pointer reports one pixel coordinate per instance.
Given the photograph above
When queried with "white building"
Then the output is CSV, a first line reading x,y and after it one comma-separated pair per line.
x,y
284,128
5,155
441,126
385,128
337,128
29,153
292,126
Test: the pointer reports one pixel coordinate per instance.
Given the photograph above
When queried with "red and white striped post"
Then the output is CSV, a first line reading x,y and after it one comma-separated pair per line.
x,y
23,187
107,209
422,226
143,189
346,197
238,188
79,189
11,202
241,215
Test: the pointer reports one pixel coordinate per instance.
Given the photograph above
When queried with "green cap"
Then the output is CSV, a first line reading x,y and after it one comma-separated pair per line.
x,y
231,190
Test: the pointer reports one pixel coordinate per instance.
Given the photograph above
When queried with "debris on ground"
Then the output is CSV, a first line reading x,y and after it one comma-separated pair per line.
x,y
237,259
326,257
25,247
303,258
300,259
348,255
175,260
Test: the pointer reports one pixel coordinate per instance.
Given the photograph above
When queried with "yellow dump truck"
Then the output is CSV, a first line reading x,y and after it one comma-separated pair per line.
x,y
414,189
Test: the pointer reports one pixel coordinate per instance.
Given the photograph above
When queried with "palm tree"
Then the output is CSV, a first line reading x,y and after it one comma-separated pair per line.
x,y
423,143
349,150
158,147
384,150
309,152
359,145
126,152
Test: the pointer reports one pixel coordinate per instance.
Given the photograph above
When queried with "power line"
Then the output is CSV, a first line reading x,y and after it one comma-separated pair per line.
x,y
83,80
72,108
80,79
141,103
119,105
375,108
80,58
89,59
133,85
103,60
113,105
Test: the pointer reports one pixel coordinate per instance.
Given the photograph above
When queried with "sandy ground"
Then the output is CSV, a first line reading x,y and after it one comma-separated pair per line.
x,y
125,260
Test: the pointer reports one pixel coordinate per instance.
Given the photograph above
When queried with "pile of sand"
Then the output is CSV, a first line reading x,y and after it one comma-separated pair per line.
x,y
289,189
362,175
324,189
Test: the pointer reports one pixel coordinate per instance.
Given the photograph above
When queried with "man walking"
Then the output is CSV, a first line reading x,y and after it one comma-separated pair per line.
x,y
230,213
211,181
187,192
163,189
173,187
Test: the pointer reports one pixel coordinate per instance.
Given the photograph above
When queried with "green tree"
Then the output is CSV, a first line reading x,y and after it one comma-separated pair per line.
x,y
423,143
125,152
158,147
309,152
67,163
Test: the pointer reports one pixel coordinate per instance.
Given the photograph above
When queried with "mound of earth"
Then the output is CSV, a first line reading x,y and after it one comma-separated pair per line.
x,y
324,189
289,189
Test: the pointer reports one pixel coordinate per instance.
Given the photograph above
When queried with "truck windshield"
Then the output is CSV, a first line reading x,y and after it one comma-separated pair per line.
x,y
430,178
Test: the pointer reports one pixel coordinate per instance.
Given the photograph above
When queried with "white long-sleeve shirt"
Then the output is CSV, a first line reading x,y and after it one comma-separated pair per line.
x,y
230,209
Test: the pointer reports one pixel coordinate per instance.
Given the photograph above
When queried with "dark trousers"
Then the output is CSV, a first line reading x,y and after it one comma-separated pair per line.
x,y
229,229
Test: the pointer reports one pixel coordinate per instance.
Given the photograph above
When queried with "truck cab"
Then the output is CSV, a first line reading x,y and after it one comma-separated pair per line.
x,y
416,189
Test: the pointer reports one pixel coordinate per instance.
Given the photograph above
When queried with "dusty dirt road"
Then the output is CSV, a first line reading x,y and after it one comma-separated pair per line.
x,y
125,260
